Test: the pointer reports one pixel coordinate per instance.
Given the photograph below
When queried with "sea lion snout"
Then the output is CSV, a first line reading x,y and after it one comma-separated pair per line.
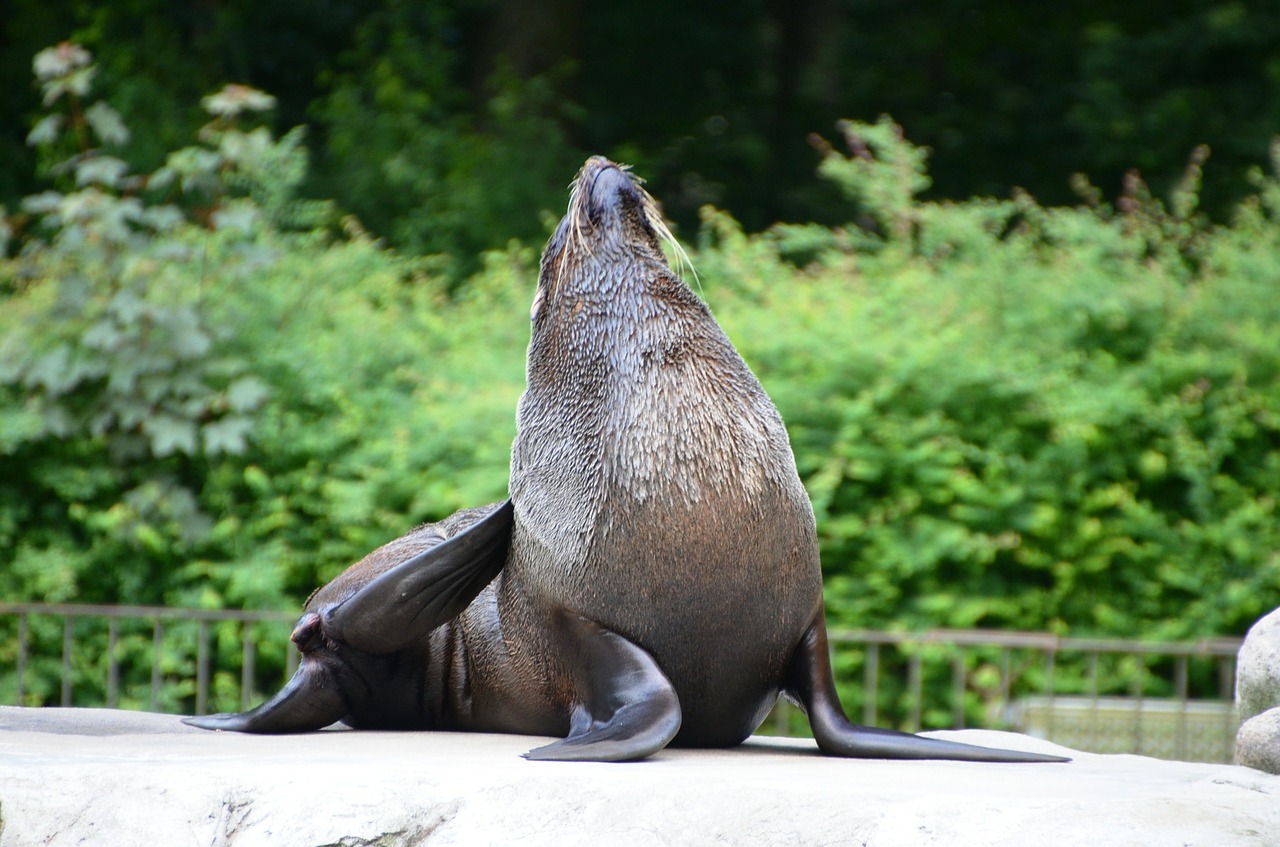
x,y
608,186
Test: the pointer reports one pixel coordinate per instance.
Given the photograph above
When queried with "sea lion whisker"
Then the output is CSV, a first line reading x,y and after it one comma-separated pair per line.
x,y
575,237
654,217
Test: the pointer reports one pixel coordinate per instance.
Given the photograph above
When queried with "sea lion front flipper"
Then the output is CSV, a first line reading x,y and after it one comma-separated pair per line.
x,y
423,592
308,702
811,683
626,707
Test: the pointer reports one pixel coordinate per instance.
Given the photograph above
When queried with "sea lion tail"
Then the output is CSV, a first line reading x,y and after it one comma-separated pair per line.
x,y
811,684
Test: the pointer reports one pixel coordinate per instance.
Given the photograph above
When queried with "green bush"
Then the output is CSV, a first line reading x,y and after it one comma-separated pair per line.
x,y
207,397
406,157
215,394
1019,417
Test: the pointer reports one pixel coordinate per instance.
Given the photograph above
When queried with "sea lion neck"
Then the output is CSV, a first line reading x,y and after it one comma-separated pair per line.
x,y
613,335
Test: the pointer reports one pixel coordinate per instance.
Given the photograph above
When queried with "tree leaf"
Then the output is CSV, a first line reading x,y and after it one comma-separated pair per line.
x,y
227,435
45,131
106,171
247,393
107,124
170,435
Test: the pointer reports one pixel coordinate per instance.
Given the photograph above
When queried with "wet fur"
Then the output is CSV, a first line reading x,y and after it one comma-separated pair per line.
x,y
659,579
655,488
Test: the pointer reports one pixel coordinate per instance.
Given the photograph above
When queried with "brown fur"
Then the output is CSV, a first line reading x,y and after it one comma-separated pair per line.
x,y
659,574
655,488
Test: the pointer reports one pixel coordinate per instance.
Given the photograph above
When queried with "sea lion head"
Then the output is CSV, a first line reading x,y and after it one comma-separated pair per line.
x,y
611,220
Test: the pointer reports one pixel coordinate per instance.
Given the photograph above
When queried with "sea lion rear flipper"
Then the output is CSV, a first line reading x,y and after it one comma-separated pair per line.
x,y
423,592
810,682
627,709
308,702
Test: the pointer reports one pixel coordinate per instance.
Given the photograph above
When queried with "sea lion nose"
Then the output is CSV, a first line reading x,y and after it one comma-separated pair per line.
x,y
306,635
609,183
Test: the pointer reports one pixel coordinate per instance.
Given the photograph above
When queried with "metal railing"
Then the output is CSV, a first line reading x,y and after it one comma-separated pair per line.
x,y
1221,652
157,617
1102,694
1035,682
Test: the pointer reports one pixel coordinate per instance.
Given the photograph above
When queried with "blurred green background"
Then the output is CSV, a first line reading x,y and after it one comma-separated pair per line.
x,y
449,126
1025,334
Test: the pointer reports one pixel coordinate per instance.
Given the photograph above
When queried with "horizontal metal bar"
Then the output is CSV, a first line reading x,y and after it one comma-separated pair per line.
x,y
1216,646
150,612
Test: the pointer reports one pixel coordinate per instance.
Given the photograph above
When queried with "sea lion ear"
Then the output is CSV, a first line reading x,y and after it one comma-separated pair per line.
x,y
421,593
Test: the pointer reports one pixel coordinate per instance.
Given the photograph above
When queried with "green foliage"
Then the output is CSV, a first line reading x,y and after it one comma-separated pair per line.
x,y
882,176
163,409
206,399
411,99
1007,414
415,166
115,382
1017,416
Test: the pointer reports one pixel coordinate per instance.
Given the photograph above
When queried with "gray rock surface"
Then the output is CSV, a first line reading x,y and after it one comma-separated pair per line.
x,y
1258,668
1258,742
72,776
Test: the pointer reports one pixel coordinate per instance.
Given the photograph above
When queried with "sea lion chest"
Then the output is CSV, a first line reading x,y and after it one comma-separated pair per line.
x,y
656,493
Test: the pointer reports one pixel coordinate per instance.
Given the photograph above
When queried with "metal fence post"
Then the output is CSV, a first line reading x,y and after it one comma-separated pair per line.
x,y
157,634
22,656
113,667
870,685
66,661
202,667
246,667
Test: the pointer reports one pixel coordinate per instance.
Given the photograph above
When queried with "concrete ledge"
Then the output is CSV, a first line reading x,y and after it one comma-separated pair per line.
x,y
103,777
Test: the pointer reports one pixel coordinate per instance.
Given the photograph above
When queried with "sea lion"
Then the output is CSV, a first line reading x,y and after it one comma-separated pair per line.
x,y
661,581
